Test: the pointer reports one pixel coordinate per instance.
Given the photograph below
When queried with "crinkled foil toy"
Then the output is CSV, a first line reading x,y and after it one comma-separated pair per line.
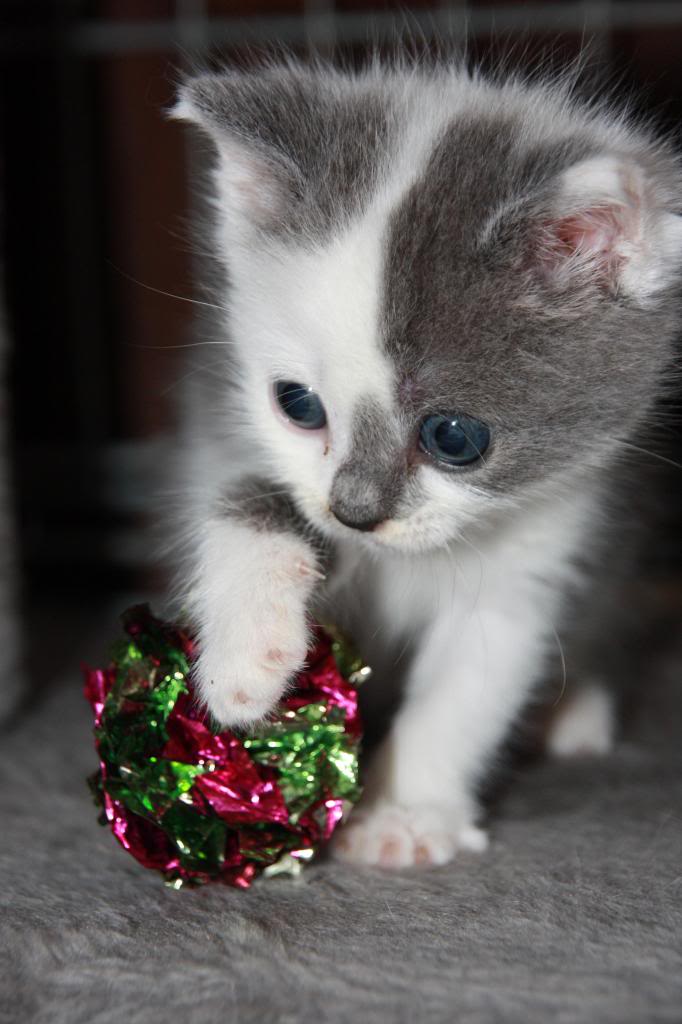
x,y
201,806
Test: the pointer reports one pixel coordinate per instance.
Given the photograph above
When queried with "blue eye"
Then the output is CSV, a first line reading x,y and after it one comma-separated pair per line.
x,y
300,404
453,439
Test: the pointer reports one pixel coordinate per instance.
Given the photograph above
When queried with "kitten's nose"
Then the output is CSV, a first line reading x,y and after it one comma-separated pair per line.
x,y
356,521
359,498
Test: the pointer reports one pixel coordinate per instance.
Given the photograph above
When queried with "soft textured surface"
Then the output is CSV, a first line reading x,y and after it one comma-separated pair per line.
x,y
573,915
11,686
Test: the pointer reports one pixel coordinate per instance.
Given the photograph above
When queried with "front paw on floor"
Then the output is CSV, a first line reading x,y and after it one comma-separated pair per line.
x,y
390,836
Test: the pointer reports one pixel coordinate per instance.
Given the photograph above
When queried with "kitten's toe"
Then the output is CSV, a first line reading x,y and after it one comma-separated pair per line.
x,y
392,837
237,710
437,846
378,838
241,685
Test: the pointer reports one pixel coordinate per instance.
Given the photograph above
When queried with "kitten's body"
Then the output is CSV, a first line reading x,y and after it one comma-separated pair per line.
x,y
407,244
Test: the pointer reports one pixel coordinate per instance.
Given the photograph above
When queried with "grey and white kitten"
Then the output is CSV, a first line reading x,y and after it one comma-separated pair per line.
x,y
449,305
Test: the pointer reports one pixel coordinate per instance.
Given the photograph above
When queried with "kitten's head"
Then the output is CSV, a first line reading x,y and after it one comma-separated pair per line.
x,y
446,295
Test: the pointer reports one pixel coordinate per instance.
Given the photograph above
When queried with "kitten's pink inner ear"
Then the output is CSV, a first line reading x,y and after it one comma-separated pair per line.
x,y
602,228
250,185
592,240
592,232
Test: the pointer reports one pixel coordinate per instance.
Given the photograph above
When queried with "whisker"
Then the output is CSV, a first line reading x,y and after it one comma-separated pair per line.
x,y
564,674
265,494
190,373
290,404
189,344
475,447
160,291
653,455
481,560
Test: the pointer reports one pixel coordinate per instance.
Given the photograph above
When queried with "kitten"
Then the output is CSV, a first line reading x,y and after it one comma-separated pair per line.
x,y
451,306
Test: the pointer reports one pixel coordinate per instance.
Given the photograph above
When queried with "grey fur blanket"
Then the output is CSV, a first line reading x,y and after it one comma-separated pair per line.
x,y
573,915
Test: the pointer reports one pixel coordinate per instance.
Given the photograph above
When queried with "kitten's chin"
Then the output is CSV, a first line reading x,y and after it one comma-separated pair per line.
x,y
396,535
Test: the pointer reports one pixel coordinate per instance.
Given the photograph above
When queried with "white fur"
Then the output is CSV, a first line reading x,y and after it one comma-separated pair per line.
x,y
483,611
584,724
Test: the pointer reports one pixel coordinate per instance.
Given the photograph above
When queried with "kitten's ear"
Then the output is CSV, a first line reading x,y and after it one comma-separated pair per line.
x,y
608,226
256,125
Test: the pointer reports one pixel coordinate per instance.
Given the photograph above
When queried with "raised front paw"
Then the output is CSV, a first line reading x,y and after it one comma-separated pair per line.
x,y
244,672
391,836
252,646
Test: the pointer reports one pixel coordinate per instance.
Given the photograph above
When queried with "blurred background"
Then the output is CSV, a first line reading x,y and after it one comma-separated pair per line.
x,y
97,264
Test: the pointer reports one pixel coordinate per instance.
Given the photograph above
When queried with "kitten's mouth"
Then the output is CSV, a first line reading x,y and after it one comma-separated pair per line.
x,y
401,536
387,533
394,534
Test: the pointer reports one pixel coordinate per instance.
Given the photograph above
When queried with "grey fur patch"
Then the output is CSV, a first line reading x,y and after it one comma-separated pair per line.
x,y
265,505
472,327
322,138
368,484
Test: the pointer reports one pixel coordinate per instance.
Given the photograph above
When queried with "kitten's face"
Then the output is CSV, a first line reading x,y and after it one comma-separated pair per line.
x,y
349,449
438,320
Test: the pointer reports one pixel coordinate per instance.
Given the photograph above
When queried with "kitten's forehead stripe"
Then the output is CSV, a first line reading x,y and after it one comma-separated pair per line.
x,y
435,251
452,322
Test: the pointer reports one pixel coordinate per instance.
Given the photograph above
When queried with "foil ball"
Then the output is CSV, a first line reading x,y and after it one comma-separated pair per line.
x,y
200,805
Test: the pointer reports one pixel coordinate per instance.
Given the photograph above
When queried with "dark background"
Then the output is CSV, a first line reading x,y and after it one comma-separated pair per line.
x,y
95,209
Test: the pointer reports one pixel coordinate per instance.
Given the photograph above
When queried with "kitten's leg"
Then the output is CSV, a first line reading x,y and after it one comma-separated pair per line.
x,y
583,723
420,804
252,581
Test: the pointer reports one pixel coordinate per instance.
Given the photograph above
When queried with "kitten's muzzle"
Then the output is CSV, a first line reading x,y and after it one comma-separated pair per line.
x,y
361,499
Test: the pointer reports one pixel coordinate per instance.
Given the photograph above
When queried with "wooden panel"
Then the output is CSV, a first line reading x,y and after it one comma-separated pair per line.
x,y
253,8
145,200
133,10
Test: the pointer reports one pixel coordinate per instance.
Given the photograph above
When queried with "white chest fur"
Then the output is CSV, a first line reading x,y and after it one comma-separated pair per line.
x,y
478,592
